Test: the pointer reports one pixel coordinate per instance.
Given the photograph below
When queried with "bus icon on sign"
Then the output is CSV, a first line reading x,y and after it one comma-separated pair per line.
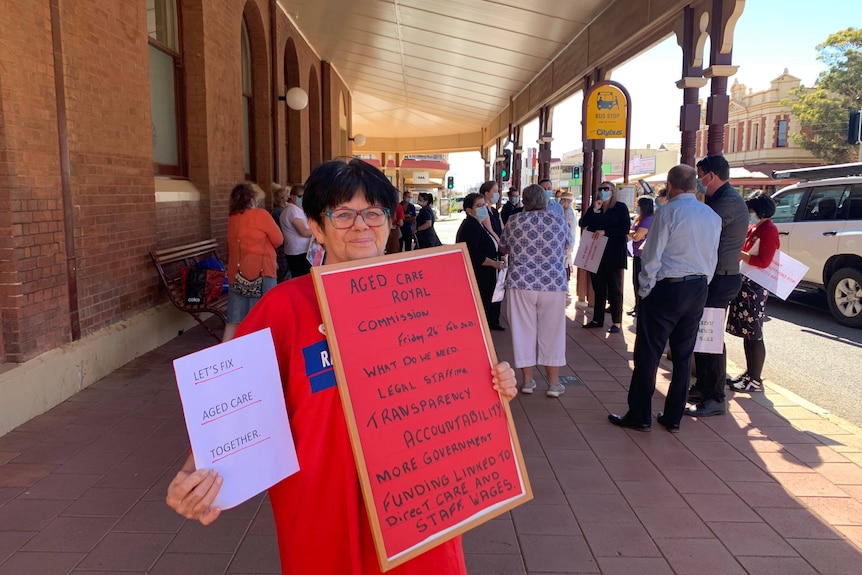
x,y
607,101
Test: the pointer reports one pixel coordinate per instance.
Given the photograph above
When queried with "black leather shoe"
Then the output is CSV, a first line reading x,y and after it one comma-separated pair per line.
x,y
632,312
672,427
614,329
694,396
621,421
707,408
498,327
593,325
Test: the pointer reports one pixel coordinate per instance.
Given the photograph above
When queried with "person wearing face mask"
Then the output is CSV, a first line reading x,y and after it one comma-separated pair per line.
x,y
426,236
491,192
748,308
297,234
513,206
609,218
553,207
484,254
707,394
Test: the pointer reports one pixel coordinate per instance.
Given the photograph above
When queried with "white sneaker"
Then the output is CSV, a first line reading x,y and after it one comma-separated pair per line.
x,y
555,390
528,386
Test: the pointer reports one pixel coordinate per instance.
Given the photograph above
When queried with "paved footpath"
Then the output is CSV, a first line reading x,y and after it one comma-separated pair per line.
x,y
773,487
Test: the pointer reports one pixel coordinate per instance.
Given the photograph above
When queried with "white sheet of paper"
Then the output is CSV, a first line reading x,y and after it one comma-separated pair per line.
x,y
710,333
781,277
590,252
236,415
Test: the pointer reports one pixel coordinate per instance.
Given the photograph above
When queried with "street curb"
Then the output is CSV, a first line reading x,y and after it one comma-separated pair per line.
x,y
800,401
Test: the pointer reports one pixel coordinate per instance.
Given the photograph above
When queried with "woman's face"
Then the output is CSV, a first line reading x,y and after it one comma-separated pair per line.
x,y
357,242
479,203
604,192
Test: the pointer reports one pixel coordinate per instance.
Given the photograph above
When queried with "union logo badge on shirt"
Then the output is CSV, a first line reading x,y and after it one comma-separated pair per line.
x,y
318,366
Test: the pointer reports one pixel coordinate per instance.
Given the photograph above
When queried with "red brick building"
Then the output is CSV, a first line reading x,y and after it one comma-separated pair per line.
x,y
123,128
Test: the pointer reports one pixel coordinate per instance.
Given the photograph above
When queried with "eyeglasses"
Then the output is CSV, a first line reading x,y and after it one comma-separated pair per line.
x,y
343,218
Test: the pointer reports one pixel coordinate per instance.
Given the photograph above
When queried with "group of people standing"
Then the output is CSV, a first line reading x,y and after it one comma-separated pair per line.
x,y
531,240
691,261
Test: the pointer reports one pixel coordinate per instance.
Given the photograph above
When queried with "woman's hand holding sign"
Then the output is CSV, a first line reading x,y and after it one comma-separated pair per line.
x,y
504,380
192,493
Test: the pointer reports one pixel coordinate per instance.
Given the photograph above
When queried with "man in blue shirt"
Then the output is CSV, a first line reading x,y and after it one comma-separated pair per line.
x,y
677,263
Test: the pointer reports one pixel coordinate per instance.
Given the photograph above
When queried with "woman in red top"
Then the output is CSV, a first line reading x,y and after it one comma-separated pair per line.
x,y
747,310
252,237
322,524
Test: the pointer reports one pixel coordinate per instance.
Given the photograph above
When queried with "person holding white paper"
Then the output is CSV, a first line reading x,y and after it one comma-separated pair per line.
x,y
748,308
610,218
321,521
677,263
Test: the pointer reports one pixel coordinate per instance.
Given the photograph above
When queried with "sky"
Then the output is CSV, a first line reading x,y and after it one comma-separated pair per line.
x,y
771,35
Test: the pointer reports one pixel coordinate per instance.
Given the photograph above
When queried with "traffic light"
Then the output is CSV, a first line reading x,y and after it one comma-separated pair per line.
x,y
576,172
506,169
854,129
450,182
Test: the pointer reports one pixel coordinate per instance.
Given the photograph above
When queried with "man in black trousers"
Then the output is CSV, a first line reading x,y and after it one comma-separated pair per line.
x,y
677,262
711,369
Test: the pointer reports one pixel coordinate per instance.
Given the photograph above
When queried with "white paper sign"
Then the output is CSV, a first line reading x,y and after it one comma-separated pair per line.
x,y
590,252
710,333
236,415
500,288
781,277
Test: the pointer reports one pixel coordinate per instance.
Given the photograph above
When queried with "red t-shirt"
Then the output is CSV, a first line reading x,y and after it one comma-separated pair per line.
x,y
320,517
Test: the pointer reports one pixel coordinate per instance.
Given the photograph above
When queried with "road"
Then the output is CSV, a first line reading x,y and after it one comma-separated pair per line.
x,y
807,352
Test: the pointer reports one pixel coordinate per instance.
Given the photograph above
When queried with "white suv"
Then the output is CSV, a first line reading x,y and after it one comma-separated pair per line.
x,y
820,224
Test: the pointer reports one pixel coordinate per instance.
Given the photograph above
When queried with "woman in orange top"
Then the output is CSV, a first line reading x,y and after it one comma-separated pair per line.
x,y
252,237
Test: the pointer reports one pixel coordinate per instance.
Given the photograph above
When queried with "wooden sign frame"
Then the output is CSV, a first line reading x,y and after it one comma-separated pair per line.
x,y
477,477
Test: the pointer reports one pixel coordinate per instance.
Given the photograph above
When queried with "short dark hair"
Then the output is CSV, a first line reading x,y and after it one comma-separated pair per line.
x,y
241,198
470,199
760,204
646,206
512,191
487,187
717,165
297,189
335,182
543,180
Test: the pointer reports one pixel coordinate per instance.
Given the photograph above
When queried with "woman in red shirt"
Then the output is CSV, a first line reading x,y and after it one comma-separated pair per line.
x,y
747,310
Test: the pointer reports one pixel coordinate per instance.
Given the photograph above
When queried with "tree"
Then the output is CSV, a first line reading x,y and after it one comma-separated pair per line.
x,y
823,113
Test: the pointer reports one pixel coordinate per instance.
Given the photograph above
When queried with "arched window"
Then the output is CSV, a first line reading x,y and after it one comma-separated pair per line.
x,y
247,107
166,87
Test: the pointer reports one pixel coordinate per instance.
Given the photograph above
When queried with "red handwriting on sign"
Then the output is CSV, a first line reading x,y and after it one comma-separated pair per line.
x,y
433,431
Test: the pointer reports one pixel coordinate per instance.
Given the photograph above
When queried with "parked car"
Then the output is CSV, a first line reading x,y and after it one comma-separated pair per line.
x,y
457,204
820,224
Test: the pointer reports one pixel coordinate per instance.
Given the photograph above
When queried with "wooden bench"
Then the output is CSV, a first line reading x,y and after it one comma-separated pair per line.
x,y
169,261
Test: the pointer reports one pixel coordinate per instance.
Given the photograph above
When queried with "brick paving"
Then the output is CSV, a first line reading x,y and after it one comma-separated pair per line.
x,y
772,487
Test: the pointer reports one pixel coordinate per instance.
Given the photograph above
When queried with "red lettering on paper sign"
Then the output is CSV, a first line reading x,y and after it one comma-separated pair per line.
x,y
435,446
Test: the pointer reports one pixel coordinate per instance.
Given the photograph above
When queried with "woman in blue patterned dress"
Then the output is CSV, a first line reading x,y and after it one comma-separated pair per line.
x,y
536,242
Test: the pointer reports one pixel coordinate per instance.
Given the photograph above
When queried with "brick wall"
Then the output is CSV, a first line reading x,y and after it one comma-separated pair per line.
x,y
110,142
33,299
115,219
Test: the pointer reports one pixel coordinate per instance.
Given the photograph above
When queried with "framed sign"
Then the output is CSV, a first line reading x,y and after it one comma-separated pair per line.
x,y
434,443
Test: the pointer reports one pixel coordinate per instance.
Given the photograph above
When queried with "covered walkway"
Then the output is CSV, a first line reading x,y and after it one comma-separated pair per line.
x,y
773,488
